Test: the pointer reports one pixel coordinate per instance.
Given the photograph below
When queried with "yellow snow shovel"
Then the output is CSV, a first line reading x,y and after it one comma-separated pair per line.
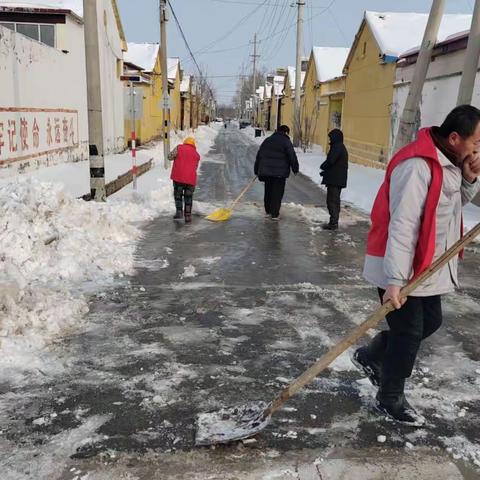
x,y
223,214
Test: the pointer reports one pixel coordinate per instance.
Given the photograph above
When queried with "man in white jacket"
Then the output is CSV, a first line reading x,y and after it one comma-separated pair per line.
x,y
416,217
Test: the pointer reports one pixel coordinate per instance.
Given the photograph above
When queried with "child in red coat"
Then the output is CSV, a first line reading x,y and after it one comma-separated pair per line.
x,y
184,175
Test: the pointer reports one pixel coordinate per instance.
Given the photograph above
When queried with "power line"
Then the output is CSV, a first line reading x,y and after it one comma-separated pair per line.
x,y
232,29
338,26
188,46
240,2
282,11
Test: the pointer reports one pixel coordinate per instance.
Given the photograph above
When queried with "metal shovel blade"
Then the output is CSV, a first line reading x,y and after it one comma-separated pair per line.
x,y
231,424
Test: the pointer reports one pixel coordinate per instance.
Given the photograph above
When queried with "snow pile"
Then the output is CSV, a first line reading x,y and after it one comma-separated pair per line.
x,y
54,248
52,244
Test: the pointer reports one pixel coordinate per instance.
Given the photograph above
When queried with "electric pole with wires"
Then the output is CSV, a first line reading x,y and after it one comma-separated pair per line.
x,y
298,74
408,120
165,96
94,100
472,54
255,56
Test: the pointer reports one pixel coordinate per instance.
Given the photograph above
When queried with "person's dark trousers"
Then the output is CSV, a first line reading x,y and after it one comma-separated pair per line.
x,y
396,349
333,203
274,190
183,195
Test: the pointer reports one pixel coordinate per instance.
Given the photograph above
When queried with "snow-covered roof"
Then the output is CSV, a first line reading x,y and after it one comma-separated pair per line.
x,y
172,65
329,62
268,91
291,77
76,6
278,82
185,84
143,55
397,32
73,6
260,92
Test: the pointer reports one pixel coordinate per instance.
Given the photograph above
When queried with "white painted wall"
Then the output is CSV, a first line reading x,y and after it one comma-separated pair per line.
x,y
46,87
41,81
439,94
112,86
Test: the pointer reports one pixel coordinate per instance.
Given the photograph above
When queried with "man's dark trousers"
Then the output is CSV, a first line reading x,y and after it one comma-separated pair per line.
x,y
333,203
397,348
274,190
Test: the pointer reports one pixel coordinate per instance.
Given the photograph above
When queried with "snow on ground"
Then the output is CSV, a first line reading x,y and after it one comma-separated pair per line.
x,y
363,182
54,247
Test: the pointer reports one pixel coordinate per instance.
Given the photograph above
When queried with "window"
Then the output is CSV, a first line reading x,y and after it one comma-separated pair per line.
x,y
39,32
364,48
47,35
11,26
29,30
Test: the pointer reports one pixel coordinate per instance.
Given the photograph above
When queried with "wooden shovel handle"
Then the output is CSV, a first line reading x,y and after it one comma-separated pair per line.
x,y
323,362
242,193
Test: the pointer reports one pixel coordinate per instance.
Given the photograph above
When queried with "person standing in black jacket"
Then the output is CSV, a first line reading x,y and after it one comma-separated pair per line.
x,y
275,158
334,172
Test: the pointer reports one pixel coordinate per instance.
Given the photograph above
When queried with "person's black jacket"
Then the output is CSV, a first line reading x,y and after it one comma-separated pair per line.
x,y
334,168
276,157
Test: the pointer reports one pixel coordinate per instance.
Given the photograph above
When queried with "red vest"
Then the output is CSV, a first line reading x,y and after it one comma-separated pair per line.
x,y
184,169
423,147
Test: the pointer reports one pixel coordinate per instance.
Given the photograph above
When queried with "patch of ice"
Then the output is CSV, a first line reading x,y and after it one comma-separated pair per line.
x,y
210,260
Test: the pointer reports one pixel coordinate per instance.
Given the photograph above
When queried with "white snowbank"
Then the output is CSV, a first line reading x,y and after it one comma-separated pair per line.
x,y
363,184
53,247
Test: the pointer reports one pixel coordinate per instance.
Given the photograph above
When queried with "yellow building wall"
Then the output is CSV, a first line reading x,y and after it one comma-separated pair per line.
x,y
310,106
274,103
261,114
187,105
148,127
368,98
320,102
266,113
175,99
287,107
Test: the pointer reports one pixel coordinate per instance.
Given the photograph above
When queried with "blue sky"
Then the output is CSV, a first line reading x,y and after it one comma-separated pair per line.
x,y
220,31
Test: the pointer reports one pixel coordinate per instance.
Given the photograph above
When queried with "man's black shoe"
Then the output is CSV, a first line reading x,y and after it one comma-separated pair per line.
x,y
330,226
401,412
370,369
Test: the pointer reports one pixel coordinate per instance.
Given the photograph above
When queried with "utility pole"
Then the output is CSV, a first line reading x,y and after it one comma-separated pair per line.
x,y
298,74
472,54
133,140
255,56
94,99
164,67
406,129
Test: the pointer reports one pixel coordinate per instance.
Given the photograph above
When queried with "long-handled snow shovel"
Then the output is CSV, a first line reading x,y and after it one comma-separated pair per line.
x,y
223,214
236,423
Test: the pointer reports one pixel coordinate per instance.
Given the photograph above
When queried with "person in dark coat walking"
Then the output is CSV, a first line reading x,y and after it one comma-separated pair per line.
x,y
276,157
334,172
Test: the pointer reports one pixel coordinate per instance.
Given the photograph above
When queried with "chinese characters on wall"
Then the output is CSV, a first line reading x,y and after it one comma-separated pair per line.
x,y
26,133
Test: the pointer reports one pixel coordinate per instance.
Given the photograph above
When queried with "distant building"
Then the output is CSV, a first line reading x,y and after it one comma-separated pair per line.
x,y
370,75
323,94
43,99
